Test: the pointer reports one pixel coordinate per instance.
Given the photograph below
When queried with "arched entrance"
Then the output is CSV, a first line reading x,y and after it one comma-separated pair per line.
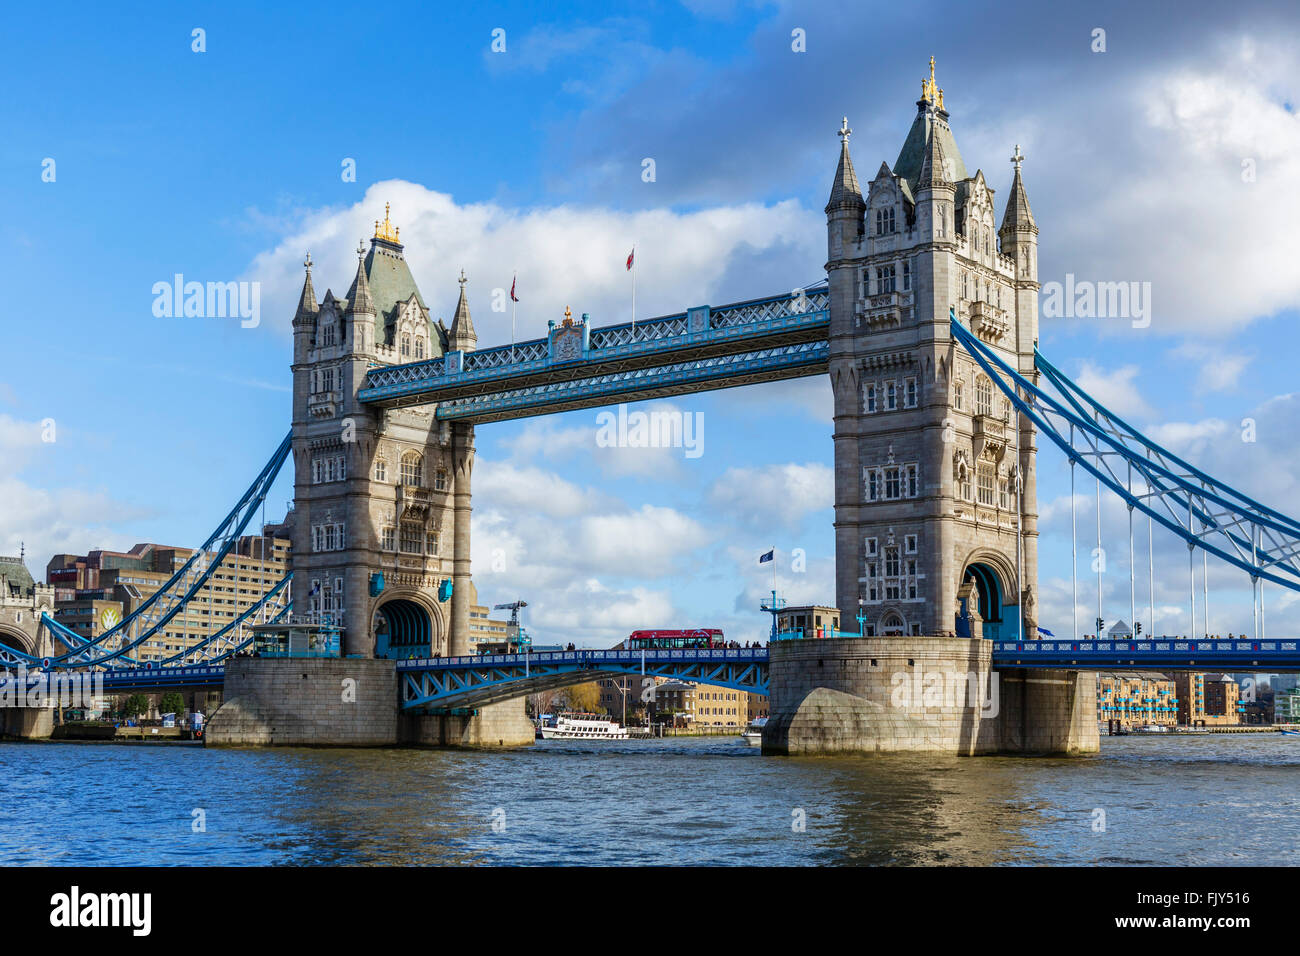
x,y
992,610
891,624
403,629
16,641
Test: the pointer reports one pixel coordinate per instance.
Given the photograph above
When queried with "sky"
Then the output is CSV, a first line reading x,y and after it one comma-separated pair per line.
x,y
1169,156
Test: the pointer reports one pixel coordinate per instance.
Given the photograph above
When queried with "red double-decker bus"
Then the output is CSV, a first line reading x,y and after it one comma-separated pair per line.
x,y
670,640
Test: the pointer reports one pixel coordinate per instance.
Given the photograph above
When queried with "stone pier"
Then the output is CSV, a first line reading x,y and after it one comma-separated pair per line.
x,y
26,723
921,694
348,702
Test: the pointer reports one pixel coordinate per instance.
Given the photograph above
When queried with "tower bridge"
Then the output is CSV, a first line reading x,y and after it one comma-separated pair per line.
x,y
926,328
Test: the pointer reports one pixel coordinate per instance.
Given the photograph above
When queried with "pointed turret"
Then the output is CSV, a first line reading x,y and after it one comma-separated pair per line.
x,y
461,335
304,319
307,306
934,165
359,301
1018,215
845,190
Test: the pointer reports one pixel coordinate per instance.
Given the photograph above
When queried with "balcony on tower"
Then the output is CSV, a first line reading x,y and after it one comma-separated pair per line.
x,y
413,502
988,322
325,404
883,309
990,434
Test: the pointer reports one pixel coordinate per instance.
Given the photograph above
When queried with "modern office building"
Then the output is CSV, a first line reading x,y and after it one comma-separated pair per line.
x,y
95,591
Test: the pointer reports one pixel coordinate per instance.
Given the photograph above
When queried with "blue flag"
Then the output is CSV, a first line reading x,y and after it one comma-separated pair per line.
x,y
1043,630
767,557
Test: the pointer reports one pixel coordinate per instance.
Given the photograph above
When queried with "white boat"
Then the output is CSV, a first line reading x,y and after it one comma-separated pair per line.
x,y
753,734
583,727
1151,729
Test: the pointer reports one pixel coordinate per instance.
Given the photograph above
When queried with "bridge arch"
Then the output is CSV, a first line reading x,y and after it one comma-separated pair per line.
x,y
999,607
17,640
406,624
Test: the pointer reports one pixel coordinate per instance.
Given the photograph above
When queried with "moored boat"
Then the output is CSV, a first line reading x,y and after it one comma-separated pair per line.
x,y
582,727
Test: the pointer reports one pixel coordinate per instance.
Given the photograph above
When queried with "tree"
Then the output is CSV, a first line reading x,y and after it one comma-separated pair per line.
x,y
136,705
543,702
583,697
172,703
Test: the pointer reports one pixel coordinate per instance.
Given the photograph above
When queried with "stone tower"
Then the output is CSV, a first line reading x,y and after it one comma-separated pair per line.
x,y
381,498
928,461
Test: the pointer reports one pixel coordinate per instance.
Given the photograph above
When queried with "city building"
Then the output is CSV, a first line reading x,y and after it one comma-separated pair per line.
x,y
95,591
1286,707
1137,699
1208,700
809,621
488,634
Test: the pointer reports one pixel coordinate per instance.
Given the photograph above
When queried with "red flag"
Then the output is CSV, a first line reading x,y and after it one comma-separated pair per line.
x,y
629,258
513,297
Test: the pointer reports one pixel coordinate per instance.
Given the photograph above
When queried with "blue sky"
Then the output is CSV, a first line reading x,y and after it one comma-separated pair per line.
x,y
225,165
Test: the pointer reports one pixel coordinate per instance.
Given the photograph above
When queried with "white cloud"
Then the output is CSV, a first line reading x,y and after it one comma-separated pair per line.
x,y
1117,389
1196,166
1218,369
774,495
663,459
565,256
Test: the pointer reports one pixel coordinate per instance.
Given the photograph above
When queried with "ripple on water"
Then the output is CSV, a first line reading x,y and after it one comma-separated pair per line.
x,y
1212,799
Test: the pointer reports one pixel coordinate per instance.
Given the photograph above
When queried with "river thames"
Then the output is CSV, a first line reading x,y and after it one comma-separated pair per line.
x,y
1191,801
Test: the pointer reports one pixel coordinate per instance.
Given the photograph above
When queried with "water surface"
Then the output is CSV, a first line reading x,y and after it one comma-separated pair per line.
x,y
1214,799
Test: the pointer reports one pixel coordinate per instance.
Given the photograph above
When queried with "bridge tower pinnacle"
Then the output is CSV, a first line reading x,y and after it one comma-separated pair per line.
x,y
380,522
927,458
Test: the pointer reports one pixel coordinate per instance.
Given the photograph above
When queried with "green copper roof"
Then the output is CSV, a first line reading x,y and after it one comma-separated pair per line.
x,y
15,576
391,282
910,157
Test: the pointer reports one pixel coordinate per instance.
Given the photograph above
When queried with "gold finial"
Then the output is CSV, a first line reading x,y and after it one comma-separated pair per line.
x,y
387,232
929,92
568,316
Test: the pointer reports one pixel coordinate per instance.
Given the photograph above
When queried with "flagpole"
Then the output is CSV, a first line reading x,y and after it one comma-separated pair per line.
x,y
634,292
513,303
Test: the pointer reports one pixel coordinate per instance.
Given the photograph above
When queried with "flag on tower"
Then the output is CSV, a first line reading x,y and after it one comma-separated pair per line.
x,y
767,557
630,256
513,297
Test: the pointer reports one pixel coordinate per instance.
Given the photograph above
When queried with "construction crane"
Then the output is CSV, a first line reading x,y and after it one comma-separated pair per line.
x,y
513,607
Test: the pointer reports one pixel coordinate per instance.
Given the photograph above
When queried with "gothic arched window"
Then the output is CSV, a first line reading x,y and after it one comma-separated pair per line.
x,y
419,348
412,469
406,346
381,469
983,396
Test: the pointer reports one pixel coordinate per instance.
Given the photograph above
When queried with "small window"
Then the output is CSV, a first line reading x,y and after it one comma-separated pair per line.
x,y
381,470
871,399
891,396
440,480
909,393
